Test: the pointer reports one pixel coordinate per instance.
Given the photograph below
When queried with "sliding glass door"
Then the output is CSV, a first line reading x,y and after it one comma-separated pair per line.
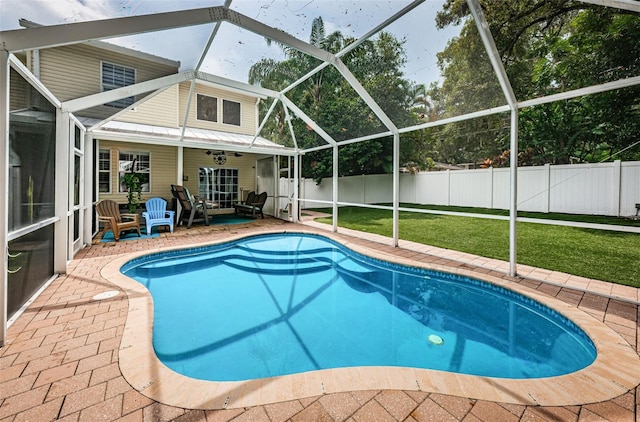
x,y
219,185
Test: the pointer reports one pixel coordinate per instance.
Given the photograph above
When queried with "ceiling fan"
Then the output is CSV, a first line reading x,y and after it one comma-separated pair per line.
x,y
220,157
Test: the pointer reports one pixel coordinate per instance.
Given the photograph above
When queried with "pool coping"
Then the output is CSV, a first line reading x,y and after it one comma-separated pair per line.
x,y
613,373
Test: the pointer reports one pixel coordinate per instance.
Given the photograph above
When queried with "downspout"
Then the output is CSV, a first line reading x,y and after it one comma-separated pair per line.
x,y
507,90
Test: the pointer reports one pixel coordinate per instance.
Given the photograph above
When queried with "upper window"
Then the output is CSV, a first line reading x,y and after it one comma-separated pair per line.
x,y
207,108
139,162
104,171
116,76
231,112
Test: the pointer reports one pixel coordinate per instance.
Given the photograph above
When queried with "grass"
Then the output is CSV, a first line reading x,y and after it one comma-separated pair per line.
x,y
598,254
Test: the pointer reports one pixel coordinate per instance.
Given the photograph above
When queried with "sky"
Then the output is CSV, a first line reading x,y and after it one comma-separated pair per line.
x,y
234,50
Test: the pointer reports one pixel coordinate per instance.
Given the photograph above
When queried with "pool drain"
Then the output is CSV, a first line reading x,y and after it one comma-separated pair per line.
x,y
435,339
106,295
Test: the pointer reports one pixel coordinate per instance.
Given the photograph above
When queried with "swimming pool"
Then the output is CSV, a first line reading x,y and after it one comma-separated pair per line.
x,y
272,305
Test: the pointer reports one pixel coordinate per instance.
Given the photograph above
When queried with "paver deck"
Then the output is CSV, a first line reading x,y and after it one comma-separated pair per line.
x,y
61,360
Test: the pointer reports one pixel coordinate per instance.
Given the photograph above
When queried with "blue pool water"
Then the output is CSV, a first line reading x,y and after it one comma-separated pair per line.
x,y
272,305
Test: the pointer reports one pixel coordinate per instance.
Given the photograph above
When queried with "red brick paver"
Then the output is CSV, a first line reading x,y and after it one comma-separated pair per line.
x,y
60,361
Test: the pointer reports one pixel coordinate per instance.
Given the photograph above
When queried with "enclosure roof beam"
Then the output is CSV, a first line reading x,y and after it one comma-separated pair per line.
x,y
492,51
284,38
212,36
359,41
104,97
127,109
312,124
65,34
632,5
240,87
287,119
265,119
22,70
364,94
595,89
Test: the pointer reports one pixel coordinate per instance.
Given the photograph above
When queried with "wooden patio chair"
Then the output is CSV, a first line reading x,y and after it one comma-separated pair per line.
x,y
192,211
252,206
157,214
109,213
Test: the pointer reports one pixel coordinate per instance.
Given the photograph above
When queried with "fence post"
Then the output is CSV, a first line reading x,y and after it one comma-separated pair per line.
x,y
491,187
617,186
547,184
448,187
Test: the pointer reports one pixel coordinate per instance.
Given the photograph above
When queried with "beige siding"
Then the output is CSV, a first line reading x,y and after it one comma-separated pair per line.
x,y
74,71
196,158
247,109
163,169
19,92
161,110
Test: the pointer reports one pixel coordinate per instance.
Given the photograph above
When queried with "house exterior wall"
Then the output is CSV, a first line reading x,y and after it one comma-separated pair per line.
x,y
75,71
196,158
163,169
20,89
161,110
247,109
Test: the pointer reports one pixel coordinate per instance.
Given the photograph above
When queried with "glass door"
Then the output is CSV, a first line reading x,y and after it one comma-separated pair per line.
x,y
219,185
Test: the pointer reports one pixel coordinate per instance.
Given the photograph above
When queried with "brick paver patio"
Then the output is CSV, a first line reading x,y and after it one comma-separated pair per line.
x,y
60,361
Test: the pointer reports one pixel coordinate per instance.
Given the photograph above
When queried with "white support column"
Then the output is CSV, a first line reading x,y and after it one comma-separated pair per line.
x,y
89,186
70,216
334,193
276,186
513,203
507,90
179,176
4,183
396,188
295,206
61,232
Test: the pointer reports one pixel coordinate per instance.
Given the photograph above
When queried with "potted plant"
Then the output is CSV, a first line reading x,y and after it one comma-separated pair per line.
x,y
133,182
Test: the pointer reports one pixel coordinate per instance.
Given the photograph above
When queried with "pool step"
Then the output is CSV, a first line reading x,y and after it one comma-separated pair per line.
x,y
255,261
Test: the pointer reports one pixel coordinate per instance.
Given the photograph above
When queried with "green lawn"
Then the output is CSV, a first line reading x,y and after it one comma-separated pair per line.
x,y
598,254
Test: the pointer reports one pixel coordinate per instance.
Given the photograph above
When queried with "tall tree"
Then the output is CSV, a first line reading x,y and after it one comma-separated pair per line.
x,y
546,47
332,103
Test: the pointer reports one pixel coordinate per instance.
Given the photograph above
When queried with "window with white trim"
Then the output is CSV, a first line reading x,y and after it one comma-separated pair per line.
x,y
206,108
231,112
116,76
104,171
141,164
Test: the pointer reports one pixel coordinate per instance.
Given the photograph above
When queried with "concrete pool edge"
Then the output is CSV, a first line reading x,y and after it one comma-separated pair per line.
x,y
611,375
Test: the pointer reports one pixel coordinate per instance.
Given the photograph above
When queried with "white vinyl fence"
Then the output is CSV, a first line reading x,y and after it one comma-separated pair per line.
x,y
599,189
